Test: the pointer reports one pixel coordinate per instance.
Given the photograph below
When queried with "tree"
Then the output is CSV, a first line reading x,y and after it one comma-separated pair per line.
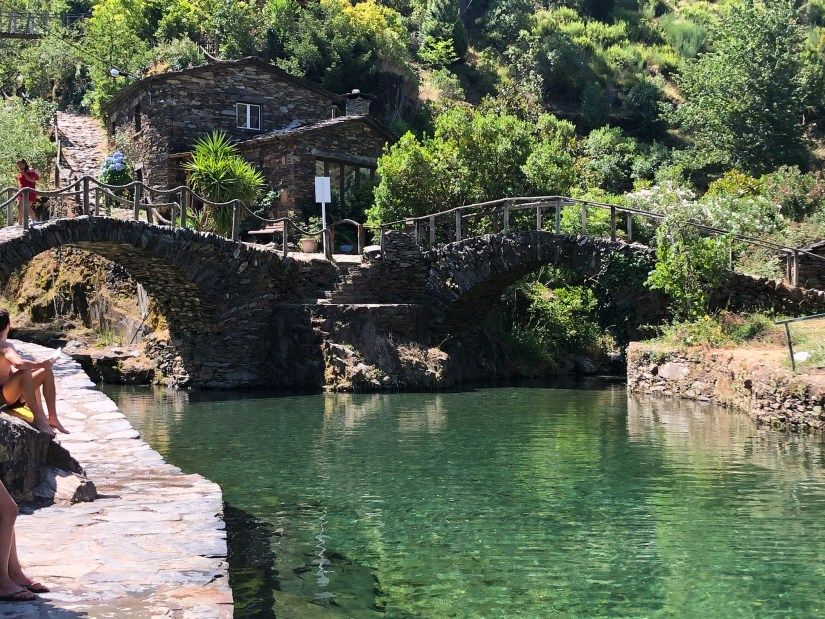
x,y
113,40
746,98
688,266
473,156
443,39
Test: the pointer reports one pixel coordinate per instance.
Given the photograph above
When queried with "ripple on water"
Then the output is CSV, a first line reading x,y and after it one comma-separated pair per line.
x,y
502,502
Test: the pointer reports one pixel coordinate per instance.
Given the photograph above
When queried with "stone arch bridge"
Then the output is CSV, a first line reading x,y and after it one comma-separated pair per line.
x,y
242,314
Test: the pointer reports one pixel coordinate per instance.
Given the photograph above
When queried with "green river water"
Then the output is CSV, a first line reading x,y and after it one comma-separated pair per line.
x,y
529,501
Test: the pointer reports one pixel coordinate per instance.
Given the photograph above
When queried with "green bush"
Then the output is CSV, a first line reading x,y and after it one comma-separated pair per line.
x,y
177,54
798,194
23,126
595,106
552,323
608,159
217,172
688,266
683,34
641,108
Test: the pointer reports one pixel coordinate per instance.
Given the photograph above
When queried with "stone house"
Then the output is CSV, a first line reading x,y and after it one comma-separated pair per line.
x,y
288,127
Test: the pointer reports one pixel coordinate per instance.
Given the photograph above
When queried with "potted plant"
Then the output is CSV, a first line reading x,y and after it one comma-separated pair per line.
x,y
309,241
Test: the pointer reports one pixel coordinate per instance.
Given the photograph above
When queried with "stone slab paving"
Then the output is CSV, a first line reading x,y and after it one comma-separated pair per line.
x,y
84,142
153,545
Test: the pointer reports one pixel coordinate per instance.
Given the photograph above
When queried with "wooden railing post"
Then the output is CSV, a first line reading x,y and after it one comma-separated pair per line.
x,y
285,247
362,239
86,206
10,208
458,225
538,217
629,227
584,218
381,241
184,198
558,215
432,231
25,208
173,213
506,219
613,223
795,279
136,202
417,232
328,244
236,220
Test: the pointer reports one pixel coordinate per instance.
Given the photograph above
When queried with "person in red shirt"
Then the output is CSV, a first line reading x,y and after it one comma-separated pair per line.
x,y
27,177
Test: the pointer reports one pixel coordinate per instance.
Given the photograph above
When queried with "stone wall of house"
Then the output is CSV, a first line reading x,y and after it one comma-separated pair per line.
x,y
755,384
147,149
289,162
196,102
812,270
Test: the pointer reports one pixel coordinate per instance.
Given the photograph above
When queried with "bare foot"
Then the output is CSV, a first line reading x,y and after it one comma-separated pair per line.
x,y
10,591
54,423
32,585
44,427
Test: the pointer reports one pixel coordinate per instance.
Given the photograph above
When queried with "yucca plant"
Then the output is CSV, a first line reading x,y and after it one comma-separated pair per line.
x,y
218,173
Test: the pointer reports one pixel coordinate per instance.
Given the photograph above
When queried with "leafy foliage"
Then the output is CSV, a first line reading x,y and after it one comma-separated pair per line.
x,y
746,98
220,174
688,266
22,126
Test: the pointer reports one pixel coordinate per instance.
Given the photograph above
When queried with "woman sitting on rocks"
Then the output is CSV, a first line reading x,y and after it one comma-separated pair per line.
x,y
15,586
21,381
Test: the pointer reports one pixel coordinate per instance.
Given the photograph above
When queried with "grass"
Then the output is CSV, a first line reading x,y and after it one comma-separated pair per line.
x,y
757,331
108,338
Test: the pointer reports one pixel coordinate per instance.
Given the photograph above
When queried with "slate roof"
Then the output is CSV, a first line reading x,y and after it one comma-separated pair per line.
x,y
129,91
293,130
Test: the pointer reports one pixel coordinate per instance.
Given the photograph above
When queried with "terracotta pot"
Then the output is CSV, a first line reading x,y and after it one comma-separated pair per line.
x,y
308,245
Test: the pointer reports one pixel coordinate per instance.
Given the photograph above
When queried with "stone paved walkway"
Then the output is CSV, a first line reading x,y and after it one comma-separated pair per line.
x,y
153,545
84,143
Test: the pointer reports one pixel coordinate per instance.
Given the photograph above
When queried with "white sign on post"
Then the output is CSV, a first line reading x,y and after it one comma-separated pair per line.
x,y
323,194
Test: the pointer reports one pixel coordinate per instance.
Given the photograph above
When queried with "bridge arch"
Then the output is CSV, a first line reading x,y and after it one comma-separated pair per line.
x,y
215,294
469,274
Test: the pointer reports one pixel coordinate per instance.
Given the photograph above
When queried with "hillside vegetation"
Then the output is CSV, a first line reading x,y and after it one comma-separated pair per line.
x,y
701,110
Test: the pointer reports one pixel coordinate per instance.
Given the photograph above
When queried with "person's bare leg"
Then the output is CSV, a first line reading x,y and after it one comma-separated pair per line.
x,y
21,384
44,377
16,571
8,514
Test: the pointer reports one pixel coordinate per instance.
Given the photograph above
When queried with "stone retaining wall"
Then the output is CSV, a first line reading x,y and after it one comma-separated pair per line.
x,y
756,384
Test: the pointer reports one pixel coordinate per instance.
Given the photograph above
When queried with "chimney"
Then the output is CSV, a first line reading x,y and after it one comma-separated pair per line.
x,y
358,104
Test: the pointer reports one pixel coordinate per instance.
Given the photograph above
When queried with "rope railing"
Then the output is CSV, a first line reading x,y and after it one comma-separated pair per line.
x,y
138,197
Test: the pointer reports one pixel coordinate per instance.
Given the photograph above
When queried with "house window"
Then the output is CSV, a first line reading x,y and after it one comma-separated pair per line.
x,y
248,116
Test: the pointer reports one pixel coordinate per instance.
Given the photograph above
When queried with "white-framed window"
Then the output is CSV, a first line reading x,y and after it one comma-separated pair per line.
x,y
248,116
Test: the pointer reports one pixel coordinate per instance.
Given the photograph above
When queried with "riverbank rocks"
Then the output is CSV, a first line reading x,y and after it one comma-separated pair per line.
x,y
754,381
26,457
